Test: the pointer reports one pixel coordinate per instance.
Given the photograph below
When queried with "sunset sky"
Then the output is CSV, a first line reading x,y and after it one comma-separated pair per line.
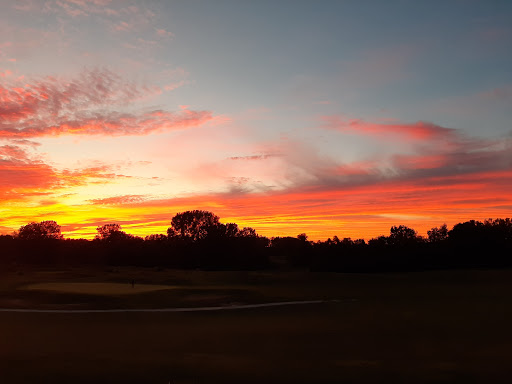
x,y
330,118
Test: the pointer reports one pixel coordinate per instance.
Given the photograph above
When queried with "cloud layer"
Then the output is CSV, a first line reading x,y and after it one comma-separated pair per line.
x,y
91,104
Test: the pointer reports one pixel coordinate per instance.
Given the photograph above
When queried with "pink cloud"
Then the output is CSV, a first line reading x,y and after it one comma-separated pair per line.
x,y
122,26
174,78
357,168
418,131
252,157
175,85
164,33
84,106
72,8
415,162
12,151
75,8
25,142
98,87
24,6
146,43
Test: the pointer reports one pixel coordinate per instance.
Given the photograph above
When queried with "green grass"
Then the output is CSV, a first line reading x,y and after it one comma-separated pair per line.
x,y
441,327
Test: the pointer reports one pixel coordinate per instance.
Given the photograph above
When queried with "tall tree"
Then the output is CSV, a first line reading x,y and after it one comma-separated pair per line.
x,y
402,235
48,229
194,225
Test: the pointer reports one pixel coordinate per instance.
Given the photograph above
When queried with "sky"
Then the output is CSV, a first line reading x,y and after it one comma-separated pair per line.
x,y
326,118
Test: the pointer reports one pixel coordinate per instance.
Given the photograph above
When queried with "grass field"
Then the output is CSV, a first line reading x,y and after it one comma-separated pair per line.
x,y
442,327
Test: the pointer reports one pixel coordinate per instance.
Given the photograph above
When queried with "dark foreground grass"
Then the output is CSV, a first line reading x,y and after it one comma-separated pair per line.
x,y
441,327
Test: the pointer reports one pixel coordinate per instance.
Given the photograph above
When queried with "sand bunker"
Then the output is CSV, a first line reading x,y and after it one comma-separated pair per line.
x,y
98,288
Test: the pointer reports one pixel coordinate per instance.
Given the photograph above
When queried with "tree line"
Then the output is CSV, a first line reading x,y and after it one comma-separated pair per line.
x,y
197,239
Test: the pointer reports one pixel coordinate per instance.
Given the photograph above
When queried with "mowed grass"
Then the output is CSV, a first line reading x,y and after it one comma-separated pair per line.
x,y
441,327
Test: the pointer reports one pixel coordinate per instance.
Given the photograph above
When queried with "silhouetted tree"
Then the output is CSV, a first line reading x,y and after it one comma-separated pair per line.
x,y
210,244
302,237
294,251
194,225
231,230
402,235
111,232
467,232
501,228
172,234
247,232
40,231
381,241
438,234
156,237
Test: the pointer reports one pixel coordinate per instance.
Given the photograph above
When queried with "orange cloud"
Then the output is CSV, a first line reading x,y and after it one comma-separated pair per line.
x,y
20,177
118,200
88,175
23,176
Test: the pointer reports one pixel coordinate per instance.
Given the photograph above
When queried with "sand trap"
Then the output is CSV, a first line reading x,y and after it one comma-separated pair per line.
x,y
98,288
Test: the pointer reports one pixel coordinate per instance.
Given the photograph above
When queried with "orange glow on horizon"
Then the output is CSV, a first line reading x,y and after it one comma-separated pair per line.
x,y
357,211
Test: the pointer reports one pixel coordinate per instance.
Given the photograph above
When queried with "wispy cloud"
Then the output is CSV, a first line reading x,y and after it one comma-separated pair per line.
x,y
5,73
174,78
252,157
122,26
164,33
119,200
501,93
85,106
418,131
434,151
76,8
